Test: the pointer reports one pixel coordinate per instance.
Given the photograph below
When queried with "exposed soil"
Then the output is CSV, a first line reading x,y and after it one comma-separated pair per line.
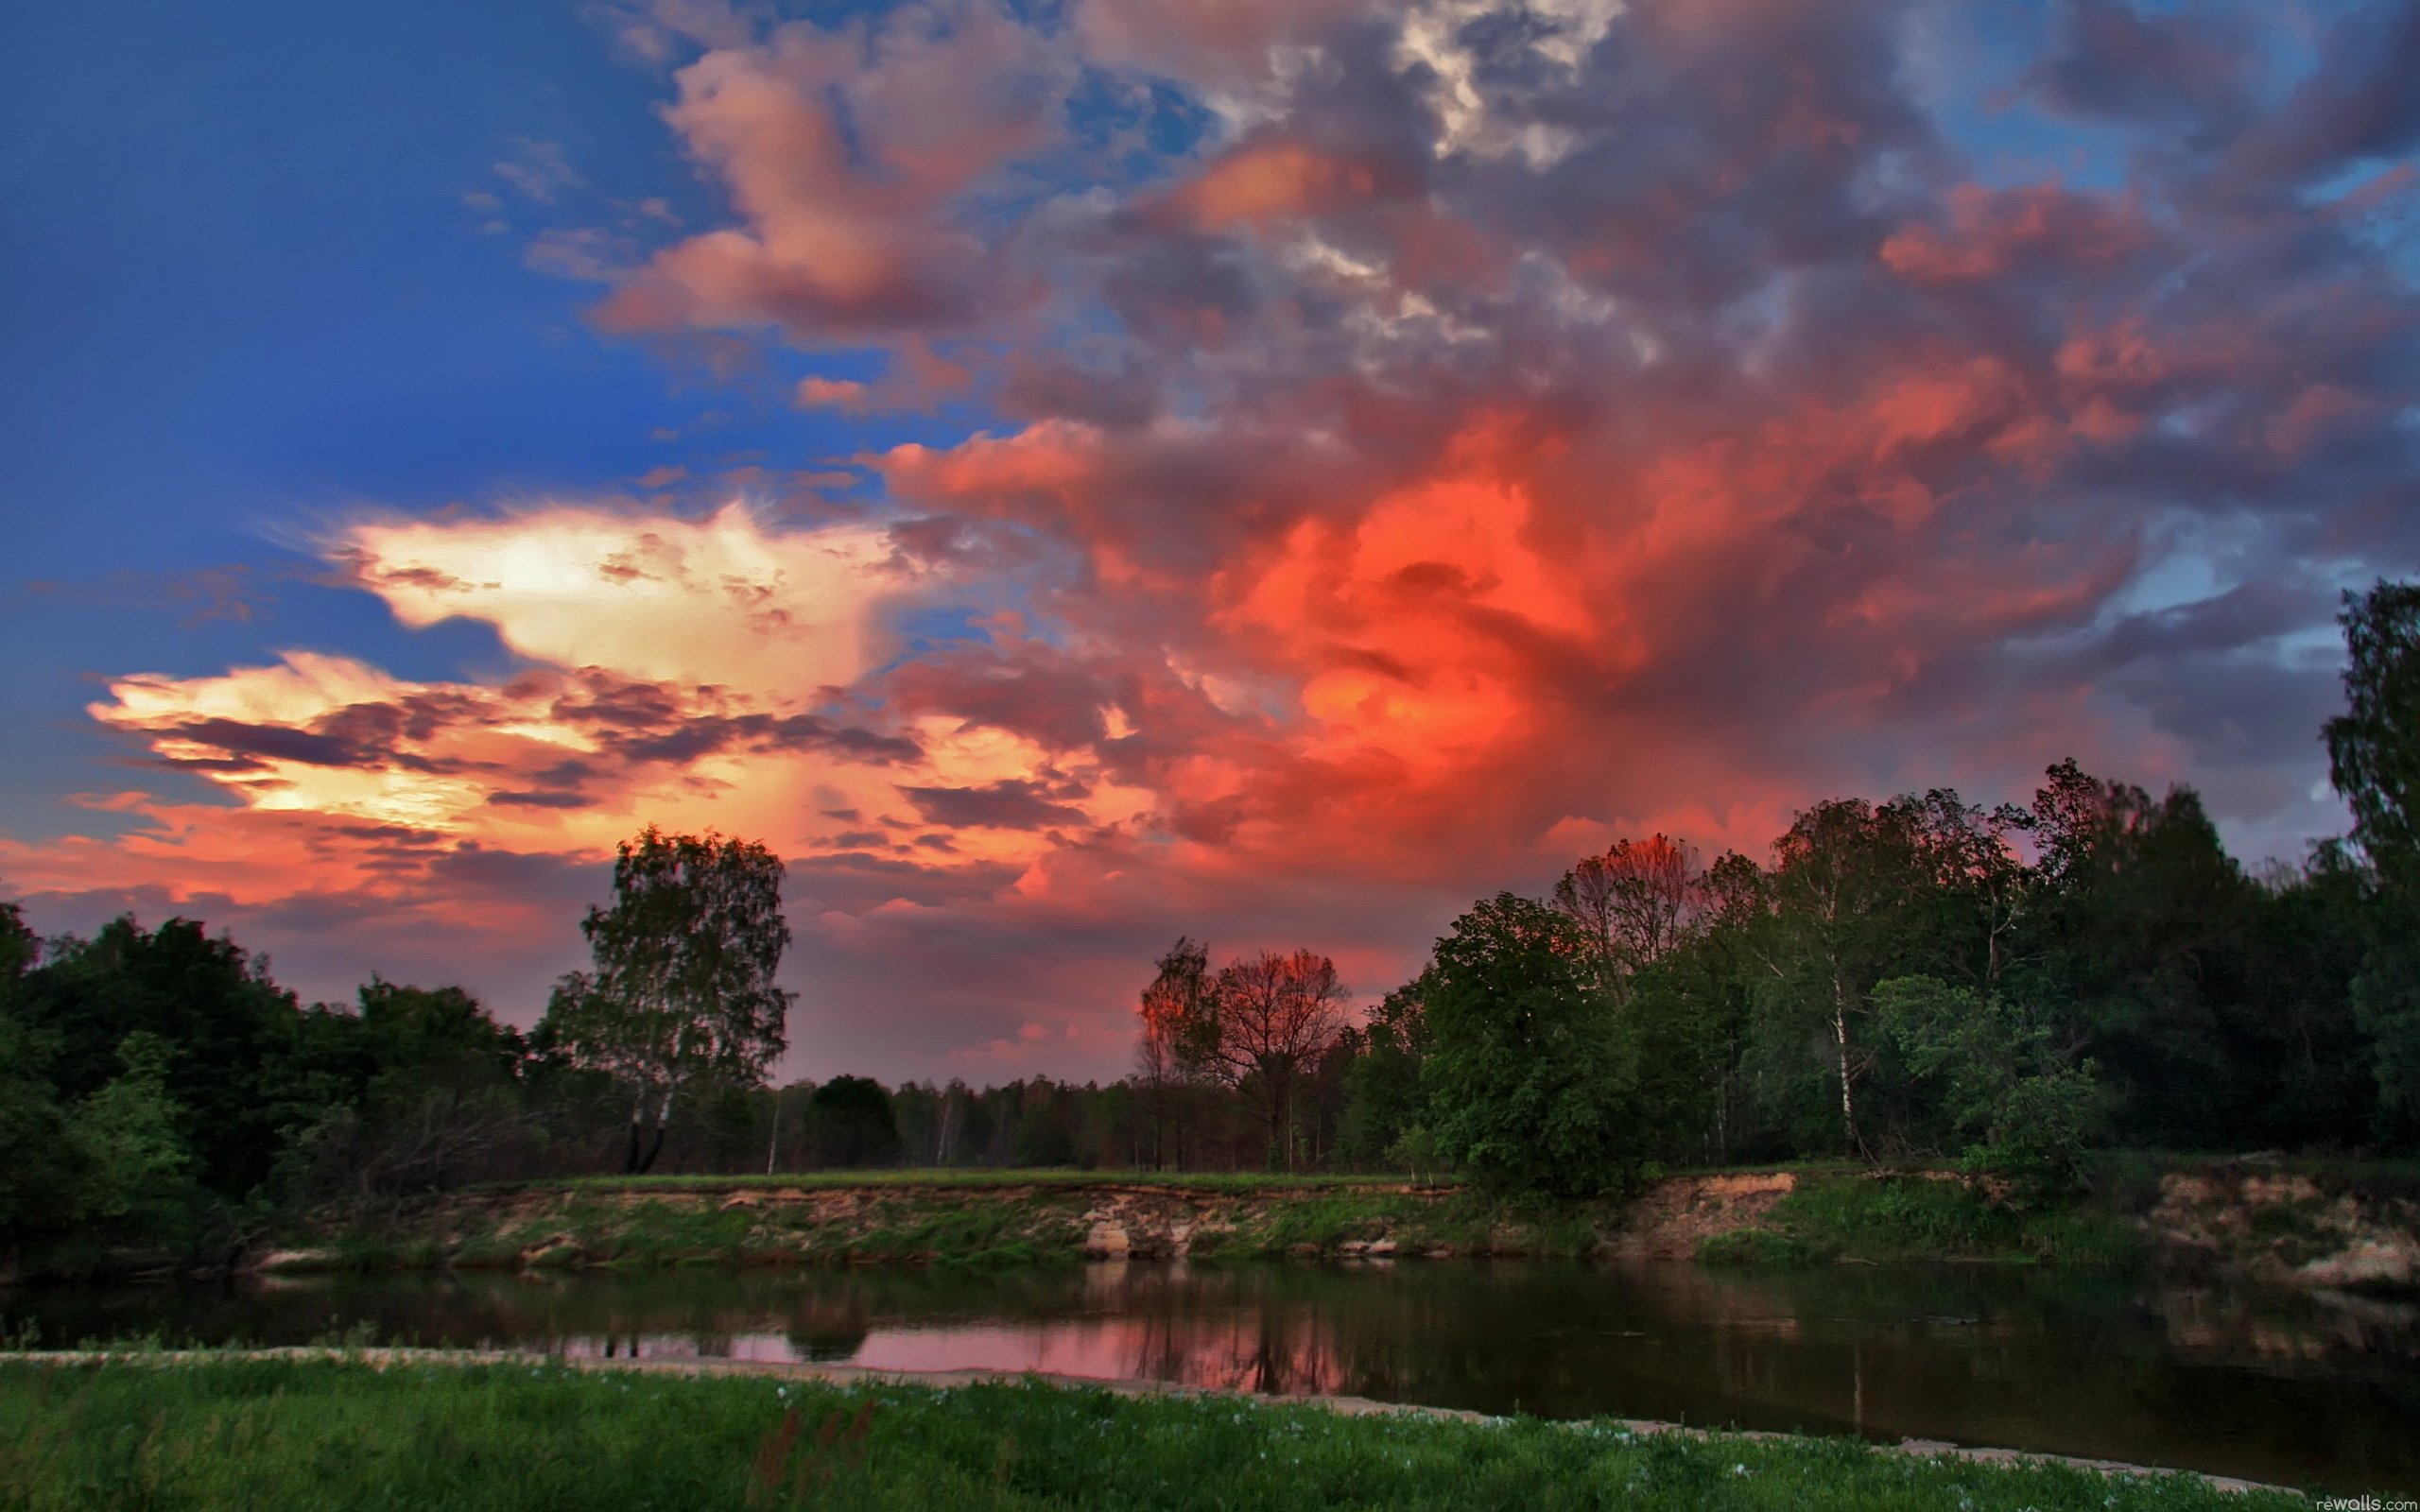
x,y
1672,1217
2284,1228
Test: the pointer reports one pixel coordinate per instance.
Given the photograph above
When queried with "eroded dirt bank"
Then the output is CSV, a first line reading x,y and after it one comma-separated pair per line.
x,y
2284,1227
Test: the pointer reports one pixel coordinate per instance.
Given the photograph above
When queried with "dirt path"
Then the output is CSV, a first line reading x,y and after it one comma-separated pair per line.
x,y
849,1374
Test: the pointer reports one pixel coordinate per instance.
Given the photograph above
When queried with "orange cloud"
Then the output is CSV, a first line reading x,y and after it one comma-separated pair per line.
x,y
1272,180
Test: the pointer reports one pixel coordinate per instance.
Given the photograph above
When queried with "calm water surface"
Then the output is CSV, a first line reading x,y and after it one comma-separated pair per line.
x,y
2321,1394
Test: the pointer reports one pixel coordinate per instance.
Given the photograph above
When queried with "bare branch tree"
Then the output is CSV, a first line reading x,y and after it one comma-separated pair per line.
x,y
1275,1015
1640,900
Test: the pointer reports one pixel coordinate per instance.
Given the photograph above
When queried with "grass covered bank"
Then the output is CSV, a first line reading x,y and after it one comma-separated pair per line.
x,y
2271,1221
1830,1217
983,1219
274,1434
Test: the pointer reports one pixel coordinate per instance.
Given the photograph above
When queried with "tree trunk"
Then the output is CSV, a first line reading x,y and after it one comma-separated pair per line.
x,y
773,1144
630,1155
1841,1038
663,1122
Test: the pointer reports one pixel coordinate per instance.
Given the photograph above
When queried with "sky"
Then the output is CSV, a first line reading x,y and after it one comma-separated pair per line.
x,y
1071,473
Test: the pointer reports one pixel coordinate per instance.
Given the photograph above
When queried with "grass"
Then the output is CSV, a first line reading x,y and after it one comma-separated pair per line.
x,y
287,1435
1902,1218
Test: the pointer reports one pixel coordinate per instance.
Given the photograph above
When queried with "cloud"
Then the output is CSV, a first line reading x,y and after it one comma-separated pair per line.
x,y
846,151
2357,104
715,601
1418,444
539,170
1010,805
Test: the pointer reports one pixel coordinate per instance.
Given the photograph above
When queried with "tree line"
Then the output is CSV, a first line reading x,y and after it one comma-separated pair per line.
x,y
1919,978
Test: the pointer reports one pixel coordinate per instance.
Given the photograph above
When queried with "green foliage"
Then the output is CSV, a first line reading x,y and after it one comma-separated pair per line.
x,y
2386,1004
2001,1081
128,1131
42,1177
1528,1075
1384,1101
230,1029
269,1436
2374,747
1901,1217
2140,935
2373,758
113,1164
415,1092
683,987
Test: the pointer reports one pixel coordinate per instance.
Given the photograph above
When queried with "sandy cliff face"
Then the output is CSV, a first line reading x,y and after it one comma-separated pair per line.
x,y
2284,1228
1672,1217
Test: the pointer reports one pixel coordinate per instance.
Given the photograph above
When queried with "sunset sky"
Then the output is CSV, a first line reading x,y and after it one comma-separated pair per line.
x,y
1070,473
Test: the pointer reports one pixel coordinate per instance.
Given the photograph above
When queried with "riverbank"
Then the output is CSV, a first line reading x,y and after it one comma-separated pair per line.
x,y
989,1218
2304,1225
415,1429
2307,1225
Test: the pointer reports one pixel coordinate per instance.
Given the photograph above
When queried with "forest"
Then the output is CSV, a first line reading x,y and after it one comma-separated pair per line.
x,y
1918,979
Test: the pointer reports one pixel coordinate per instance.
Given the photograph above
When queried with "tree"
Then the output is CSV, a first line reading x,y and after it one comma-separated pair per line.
x,y
1383,1097
1271,1017
1527,1077
2028,1111
230,1029
2374,747
849,1123
2373,758
1639,900
1842,880
682,985
1691,1013
1179,1031
2139,939
1970,879
19,950
129,1133
416,1091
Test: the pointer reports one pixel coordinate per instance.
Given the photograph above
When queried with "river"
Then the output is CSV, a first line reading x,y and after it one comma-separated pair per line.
x,y
2317,1393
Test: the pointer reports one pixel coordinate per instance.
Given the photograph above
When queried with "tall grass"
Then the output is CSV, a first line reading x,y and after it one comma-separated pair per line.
x,y
287,1437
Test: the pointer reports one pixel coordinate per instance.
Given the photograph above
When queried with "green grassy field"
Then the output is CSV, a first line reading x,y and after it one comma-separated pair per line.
x,y
273,1435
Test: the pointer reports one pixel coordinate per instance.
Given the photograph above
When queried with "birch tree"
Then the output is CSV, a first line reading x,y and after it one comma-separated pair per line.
x,y
682,985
